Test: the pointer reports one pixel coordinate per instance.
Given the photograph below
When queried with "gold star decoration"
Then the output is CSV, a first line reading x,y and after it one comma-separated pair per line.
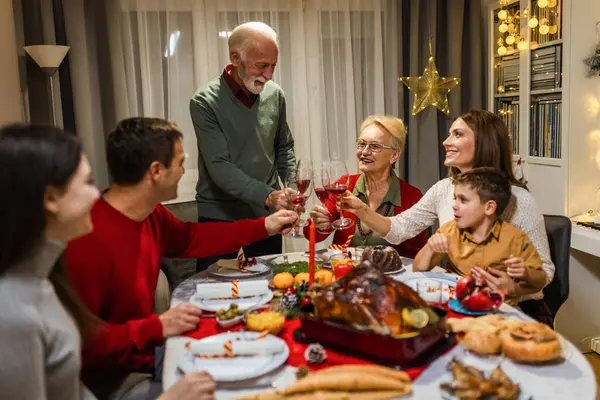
x,y
430,89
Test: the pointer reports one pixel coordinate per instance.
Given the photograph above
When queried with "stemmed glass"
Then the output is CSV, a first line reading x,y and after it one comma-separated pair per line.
x,y
297,185
321,194
335,180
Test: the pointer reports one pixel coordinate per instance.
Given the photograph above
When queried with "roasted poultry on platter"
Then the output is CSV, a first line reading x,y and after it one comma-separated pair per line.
x,y
366,298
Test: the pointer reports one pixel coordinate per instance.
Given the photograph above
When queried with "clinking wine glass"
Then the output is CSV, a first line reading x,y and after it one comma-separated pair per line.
x,y
297,188
335,180
322,195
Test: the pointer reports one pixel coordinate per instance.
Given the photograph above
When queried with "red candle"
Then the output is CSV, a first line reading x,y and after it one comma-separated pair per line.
x,y
311,252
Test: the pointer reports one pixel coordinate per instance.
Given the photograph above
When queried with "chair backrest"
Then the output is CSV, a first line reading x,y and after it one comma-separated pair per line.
x,y
558,229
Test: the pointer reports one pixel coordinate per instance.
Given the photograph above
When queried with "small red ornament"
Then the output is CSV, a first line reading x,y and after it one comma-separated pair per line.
x,y
291,290
305,301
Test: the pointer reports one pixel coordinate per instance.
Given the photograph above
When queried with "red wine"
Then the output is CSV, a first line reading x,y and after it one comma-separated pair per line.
x,y
298,200
336,190
322,194
302,185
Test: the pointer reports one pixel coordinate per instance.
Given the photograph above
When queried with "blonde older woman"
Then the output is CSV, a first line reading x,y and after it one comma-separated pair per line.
x,y
378,147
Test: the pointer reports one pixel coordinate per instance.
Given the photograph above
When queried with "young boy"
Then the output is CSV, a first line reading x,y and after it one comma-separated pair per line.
x,y
477,239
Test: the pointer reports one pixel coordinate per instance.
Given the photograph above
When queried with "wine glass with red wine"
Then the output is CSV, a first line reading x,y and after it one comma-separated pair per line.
x,y
335,181
297,189
321,194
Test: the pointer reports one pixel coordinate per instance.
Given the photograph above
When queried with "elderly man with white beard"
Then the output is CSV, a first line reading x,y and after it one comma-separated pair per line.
x,y
244,141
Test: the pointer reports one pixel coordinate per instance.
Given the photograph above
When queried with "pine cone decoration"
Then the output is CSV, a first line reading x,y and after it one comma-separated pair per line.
x,y
315,354
289,300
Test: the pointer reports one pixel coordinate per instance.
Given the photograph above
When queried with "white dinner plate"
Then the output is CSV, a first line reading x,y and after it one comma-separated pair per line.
x,y
243,303
251,271
237,368
436,281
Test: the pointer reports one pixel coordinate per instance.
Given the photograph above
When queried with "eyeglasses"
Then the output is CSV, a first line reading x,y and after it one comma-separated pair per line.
x,y
374,146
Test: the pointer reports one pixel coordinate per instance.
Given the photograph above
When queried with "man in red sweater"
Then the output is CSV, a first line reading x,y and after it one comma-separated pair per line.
x,y
115,268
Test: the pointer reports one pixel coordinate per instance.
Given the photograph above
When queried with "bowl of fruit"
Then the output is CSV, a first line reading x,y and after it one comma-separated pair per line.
x,y
230,317
270,317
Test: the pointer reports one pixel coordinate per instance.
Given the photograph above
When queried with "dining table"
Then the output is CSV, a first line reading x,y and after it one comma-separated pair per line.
x,y
573,378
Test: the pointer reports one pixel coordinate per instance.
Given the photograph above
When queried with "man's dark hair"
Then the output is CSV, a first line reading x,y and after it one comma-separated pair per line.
x,y
490,184
138,142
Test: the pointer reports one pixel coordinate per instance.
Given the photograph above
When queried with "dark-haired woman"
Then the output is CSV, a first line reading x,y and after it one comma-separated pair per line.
x,y
46,193
476,139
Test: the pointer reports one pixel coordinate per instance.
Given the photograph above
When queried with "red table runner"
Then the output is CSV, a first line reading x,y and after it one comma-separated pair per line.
x,y
209,327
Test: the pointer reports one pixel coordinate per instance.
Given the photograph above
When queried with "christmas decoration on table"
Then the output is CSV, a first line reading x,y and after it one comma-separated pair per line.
x,y
243,262
593,62
315,354
343,248
430,89
240,263
294,299
289,300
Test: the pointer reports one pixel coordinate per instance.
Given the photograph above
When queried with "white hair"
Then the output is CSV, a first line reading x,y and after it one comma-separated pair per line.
x,y
244,35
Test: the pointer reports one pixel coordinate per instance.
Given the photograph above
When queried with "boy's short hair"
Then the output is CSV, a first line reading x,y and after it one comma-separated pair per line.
x,y
490,184
138,142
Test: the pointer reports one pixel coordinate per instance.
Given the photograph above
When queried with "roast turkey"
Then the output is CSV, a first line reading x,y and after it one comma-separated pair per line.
x,y
367,299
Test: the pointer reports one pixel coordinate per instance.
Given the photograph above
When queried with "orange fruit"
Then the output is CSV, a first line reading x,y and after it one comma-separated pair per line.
x,y
302,276
283,280
323,276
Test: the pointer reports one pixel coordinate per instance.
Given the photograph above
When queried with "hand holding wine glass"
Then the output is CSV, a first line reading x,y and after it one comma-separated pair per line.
x,y
297,187
278,200
349,202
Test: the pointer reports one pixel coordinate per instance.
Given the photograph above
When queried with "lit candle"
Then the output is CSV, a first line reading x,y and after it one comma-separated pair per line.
x,y
311,252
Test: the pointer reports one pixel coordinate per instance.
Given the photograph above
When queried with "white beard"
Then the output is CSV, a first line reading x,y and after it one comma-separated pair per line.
x,y
250,81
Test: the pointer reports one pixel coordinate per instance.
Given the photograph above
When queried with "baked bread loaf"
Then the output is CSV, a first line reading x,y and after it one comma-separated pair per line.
x,y
490,322
383,258
531,342
483,342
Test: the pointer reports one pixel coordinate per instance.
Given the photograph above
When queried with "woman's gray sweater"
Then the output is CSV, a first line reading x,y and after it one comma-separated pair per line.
x,y
39,342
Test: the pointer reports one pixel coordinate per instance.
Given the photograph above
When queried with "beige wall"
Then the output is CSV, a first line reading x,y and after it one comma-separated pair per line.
x,y
11,101
578,319
584,110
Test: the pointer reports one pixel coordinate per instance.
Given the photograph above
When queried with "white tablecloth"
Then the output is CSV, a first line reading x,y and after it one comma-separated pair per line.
x,y
572,379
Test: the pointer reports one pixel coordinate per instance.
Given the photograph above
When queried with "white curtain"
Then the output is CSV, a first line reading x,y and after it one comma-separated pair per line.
x,y
332,65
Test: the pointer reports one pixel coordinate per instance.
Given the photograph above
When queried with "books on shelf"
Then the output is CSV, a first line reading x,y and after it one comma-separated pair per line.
x,y
545,131
507,74
546,68
508,110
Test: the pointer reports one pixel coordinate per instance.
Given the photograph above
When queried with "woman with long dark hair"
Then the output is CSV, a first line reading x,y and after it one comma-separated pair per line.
x,y
477,138
46,193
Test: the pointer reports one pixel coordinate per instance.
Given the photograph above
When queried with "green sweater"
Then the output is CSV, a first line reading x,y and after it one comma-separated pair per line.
x,y
241,151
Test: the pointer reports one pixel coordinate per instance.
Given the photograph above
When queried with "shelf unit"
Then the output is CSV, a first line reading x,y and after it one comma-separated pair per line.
x,y
526,90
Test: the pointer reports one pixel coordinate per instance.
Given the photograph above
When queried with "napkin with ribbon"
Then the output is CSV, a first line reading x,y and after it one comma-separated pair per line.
x,y
233,348
232,289
342,247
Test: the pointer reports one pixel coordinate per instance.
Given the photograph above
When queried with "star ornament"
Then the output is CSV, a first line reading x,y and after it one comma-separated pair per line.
x,y
593,63
430,89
